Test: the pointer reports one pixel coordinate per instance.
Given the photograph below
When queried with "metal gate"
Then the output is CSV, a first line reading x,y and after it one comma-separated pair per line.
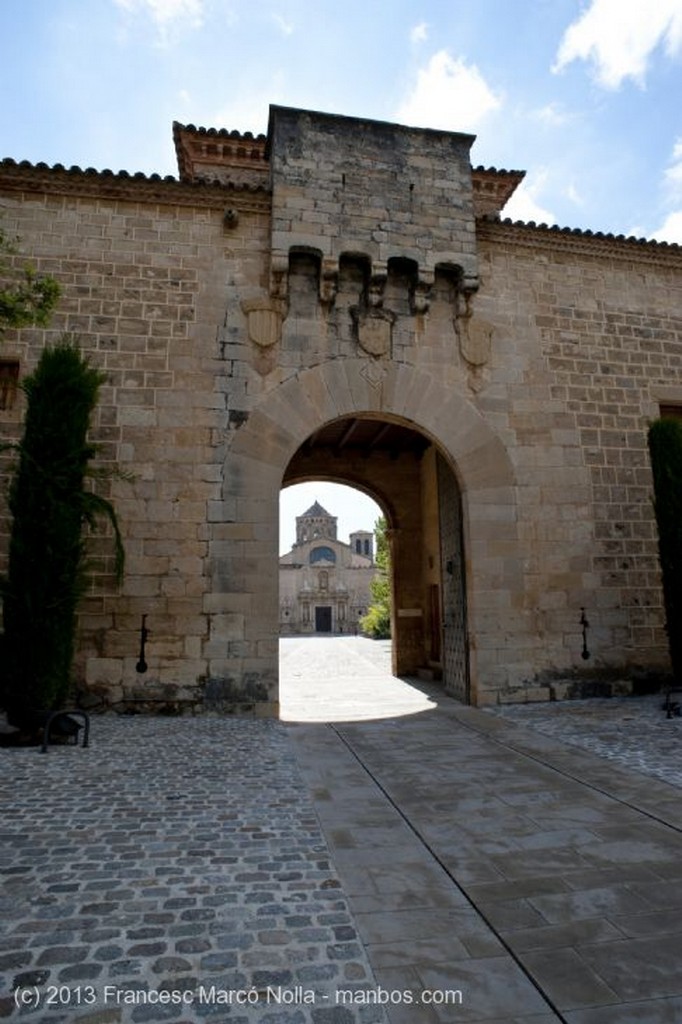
x,y
455,651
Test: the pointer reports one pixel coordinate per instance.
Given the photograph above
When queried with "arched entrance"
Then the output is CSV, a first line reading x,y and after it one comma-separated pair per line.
x,y
411,418
412,482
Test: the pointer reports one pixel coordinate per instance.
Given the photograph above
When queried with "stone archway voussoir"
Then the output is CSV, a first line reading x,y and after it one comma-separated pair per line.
x,y
289,407
264,440
485,465
336,381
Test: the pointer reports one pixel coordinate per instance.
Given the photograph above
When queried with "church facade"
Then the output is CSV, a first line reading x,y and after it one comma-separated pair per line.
x,y
343,300
324,584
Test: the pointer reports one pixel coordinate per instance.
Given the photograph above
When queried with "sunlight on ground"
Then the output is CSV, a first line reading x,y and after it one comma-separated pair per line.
x,y
344,679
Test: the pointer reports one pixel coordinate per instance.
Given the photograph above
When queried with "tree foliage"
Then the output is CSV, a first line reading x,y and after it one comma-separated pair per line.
x,y
665,449
50,506
26,297
377,622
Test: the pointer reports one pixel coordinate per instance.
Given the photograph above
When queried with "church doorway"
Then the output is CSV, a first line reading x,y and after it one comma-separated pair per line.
x,y
323,618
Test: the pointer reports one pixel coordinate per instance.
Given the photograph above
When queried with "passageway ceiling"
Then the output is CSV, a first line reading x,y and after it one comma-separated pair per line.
x,y
360,437
372,454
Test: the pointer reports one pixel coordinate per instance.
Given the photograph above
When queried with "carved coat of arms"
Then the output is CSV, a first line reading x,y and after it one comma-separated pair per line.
x,y
475,339
375,332
264,319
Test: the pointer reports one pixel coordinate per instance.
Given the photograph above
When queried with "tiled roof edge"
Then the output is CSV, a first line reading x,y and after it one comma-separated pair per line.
x,y
125,176
578,234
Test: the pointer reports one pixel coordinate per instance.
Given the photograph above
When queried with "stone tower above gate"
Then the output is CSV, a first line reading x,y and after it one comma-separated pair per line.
x,y
350,187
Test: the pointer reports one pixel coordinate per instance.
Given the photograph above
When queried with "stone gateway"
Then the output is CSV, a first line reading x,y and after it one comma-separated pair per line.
x,y
341,300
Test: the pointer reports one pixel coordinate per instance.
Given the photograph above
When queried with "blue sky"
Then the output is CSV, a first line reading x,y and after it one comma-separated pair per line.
x,y
584,95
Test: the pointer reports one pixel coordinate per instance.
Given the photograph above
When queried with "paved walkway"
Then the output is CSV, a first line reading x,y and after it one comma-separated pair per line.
x,y
484,858
411,860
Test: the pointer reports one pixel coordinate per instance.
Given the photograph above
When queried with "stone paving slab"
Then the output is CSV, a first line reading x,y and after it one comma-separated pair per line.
x,y
166,872
565,865
421,932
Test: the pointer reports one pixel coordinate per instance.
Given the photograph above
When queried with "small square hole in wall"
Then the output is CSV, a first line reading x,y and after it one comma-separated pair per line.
x,y
9,379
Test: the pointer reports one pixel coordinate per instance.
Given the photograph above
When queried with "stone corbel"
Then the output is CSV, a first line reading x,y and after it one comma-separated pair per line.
x,y
329,282
470,282
376,286
279,276
420,298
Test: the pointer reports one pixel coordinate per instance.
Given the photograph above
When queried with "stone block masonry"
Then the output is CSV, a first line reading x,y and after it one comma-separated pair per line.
x,y
142,292
343,185
605,366
344,302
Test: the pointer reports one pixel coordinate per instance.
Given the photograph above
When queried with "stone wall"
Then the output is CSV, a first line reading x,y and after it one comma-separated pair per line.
x,y
143,290
588,334
531,359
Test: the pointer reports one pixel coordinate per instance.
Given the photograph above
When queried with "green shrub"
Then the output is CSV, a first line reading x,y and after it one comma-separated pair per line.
x,y
25,297
377,622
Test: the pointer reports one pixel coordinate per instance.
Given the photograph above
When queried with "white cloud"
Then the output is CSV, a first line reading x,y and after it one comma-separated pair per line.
x,y
573,194
551,114
619,37
673,174
285,27
448,94
524,204
420,33
165,11
671,229
167,15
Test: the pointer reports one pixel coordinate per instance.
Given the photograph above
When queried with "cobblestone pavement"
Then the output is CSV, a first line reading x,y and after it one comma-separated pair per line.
x,y
170,860
383,837
633,732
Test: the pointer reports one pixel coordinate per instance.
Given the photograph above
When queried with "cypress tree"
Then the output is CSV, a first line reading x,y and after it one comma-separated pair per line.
x,y
50,506
665,449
